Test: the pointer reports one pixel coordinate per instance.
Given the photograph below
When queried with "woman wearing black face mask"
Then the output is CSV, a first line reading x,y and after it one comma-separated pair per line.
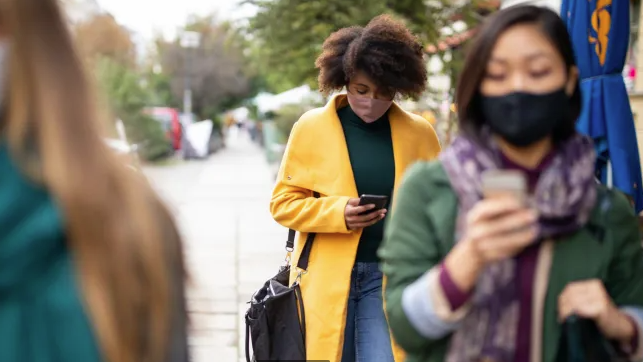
x,y
489,278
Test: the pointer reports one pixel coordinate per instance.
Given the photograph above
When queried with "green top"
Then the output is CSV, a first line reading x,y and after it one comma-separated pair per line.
x,y
419,235
42,317
370,149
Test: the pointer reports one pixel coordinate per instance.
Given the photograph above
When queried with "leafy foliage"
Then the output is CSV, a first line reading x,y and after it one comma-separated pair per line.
x,y
108,49
217,71
286,116
285,50
126,99
159,85
102,37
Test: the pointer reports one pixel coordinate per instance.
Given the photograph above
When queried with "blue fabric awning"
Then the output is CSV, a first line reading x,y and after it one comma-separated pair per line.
x,y
600,33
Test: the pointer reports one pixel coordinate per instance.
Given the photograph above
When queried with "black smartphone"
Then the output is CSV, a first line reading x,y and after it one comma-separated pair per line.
x,y
379,201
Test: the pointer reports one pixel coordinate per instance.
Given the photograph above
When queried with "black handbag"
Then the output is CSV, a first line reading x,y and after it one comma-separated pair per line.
x,y
275,320
582,341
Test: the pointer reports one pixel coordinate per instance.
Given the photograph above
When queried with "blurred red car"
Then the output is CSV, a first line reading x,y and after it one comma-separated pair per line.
x,y
171,121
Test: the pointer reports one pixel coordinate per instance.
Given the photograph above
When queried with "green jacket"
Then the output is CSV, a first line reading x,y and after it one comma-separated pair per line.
x,y
420,233
43,316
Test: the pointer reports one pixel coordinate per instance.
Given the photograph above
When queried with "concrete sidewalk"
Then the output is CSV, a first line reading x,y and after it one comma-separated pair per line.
x,y
232,243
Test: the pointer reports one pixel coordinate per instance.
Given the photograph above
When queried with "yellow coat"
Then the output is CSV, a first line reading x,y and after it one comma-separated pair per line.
x,y
316,158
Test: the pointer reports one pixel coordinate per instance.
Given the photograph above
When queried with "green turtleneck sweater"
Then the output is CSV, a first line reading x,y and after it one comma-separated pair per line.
x,y
370,149
42,316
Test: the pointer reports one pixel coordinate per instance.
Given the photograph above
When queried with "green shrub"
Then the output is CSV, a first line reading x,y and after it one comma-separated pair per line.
x,y
147,133
126,98
285,118
217,123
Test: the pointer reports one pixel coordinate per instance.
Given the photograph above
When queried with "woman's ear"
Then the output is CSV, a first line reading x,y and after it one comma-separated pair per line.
x,y
572,81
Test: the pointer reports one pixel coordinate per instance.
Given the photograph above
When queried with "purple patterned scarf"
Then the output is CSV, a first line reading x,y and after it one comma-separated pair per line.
x,y
564,196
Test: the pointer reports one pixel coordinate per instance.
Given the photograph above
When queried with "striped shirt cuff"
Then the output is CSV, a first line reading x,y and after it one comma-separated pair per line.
x,y
428,309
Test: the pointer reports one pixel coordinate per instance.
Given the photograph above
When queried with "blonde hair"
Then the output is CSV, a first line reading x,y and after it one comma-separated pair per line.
x,y
113,219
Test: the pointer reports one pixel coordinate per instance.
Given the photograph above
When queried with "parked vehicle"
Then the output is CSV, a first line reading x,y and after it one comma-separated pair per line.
x,y
170,118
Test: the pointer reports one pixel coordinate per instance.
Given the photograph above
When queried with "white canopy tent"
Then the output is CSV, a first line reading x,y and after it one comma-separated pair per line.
x,y
271,102
240,114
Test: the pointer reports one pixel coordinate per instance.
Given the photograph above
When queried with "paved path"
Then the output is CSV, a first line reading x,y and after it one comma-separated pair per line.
x,y
232,244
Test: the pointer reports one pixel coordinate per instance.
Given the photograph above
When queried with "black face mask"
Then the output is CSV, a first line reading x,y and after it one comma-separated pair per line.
x,y
523,119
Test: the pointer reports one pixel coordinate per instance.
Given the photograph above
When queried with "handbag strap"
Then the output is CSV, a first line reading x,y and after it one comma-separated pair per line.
x,y
302,263
247,346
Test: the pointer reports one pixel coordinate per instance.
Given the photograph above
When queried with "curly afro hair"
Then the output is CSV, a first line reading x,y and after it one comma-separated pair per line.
x,y
385,50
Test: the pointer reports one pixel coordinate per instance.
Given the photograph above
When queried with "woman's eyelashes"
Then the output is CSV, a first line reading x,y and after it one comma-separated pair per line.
x,y
532,74
376,93
495,77
540,73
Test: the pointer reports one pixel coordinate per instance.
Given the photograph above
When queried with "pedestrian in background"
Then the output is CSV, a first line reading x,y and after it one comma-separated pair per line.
x,y
359,143
92,266
475,278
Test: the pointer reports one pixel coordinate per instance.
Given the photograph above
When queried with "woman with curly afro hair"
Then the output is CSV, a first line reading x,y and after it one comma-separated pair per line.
x,y
360,143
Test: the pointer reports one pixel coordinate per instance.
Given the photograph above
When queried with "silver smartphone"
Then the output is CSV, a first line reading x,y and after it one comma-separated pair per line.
x,y
501,183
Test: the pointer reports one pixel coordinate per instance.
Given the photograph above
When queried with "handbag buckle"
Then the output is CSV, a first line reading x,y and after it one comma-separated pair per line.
x,y
299,274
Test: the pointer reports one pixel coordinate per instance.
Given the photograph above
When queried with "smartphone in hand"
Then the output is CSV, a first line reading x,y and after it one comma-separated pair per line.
x,y
380,202
498,183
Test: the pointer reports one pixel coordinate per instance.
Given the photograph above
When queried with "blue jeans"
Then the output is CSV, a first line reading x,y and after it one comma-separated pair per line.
x,y
366,335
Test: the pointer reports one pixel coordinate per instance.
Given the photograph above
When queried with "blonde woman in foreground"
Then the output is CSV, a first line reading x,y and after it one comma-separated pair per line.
x,y
92,266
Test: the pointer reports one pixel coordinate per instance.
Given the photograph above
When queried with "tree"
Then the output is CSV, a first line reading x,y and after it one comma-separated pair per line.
x,y
217,68
126,99
285,50
102,37
159,86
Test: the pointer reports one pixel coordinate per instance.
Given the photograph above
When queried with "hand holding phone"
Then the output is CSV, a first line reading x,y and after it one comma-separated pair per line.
x,y
379,201
504,183
365,211
501,225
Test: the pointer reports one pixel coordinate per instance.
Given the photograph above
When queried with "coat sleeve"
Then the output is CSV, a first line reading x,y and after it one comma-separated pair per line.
x,y
410,257
625,277
295,207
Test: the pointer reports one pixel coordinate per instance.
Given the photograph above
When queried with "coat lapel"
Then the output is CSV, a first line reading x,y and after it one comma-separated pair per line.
x,y
333,151
332,154
403,150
